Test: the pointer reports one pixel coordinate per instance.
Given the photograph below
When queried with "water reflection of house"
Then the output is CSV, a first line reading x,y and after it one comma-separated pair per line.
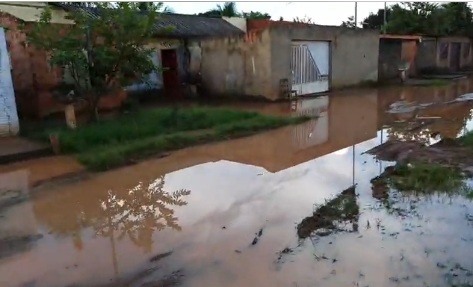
x,y
348,121
315,131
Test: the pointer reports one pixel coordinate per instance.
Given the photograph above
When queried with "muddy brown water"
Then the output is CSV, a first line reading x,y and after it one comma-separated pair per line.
x,y
225,214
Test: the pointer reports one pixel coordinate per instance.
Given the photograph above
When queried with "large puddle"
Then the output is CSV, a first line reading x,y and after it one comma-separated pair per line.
x,y
226,214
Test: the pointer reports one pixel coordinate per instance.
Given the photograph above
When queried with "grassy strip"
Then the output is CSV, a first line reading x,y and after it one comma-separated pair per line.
x,y
467,139
143,124
431,83
426,178
423,179
107,157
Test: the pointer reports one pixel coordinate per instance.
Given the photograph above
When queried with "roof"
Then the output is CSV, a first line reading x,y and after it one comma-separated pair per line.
x,y
400,37
184,26
196,26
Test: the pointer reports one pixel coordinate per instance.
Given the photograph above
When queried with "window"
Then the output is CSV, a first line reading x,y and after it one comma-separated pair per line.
x,y
444,50
466,50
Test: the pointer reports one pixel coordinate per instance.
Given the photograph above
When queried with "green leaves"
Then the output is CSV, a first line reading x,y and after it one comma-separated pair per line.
x,y
105,45
424,18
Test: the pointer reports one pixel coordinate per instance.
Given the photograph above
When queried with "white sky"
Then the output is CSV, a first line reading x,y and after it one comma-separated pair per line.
x,y
324,13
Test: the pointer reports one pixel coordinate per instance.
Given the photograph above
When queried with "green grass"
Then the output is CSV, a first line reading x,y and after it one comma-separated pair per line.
x,y
467,139
423,178
340,209
469,194
432,83
111,143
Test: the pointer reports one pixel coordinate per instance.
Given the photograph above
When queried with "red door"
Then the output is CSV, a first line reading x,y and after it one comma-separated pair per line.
x,y
170,71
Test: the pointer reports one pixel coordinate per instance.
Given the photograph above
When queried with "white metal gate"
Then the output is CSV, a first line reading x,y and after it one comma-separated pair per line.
x,y
8,114
310,67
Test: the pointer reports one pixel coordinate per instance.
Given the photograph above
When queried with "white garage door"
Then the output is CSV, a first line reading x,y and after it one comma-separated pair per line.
x,y
8,114
310,66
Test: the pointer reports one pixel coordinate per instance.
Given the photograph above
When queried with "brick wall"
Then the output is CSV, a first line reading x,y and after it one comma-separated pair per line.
x,y
34,80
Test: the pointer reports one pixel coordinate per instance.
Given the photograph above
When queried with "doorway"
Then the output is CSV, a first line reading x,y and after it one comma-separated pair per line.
x,y
170,70
455,56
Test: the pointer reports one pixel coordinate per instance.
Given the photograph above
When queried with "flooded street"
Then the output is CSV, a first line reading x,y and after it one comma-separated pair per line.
x,y
226,214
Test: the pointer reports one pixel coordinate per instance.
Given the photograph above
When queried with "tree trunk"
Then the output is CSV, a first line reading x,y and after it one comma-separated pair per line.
x,y
93,107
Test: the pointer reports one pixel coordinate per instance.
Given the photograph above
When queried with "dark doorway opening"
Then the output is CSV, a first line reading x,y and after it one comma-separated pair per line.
x,y
170,72
455,57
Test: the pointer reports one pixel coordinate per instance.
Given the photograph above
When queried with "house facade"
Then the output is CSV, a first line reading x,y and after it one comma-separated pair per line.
x,y
445,54
397,51
276,58
423,54
35,82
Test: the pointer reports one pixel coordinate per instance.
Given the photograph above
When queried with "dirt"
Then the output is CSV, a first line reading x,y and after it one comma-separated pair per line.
x,y
327,218
446,152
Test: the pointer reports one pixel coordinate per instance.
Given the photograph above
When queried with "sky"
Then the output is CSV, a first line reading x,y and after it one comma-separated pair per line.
x,y
323,13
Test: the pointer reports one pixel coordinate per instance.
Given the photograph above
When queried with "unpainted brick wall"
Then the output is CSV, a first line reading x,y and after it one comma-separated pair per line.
x,y
34,80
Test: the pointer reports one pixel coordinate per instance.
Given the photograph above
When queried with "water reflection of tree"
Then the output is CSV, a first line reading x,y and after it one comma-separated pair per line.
x,y
140,212
136,213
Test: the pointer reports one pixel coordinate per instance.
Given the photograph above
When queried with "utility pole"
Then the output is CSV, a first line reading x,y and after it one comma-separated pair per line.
x,y
384,22
356,15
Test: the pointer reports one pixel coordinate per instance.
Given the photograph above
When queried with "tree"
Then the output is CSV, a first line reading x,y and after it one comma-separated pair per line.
x,y
154,6
350,23
458,18
376,21
228,9
256,15
305,19
424,18
101,53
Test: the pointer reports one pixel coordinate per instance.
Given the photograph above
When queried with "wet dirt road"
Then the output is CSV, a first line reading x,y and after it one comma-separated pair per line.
x,y
225,214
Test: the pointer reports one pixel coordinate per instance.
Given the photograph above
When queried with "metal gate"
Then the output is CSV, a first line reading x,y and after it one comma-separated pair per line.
x,y
310,67
8,115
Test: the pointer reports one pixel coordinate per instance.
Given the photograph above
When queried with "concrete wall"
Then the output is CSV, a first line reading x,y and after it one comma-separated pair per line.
x,y
408,56
426,54
237,66
354,53
464,61
238,22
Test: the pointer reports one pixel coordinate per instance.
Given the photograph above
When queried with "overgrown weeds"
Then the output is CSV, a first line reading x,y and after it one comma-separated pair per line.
x,y
116,142
467,139
421,179
328,216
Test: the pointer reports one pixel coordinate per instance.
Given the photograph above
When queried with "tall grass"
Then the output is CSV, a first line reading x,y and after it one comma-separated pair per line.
x,y
116,142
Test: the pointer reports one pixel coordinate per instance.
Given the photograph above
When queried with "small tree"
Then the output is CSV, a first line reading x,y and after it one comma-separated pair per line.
x,y
350,23
305,19
103,51
256,15
228,9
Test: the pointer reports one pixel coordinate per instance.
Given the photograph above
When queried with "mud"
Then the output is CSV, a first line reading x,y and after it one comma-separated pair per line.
x,y
447,153
340,211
